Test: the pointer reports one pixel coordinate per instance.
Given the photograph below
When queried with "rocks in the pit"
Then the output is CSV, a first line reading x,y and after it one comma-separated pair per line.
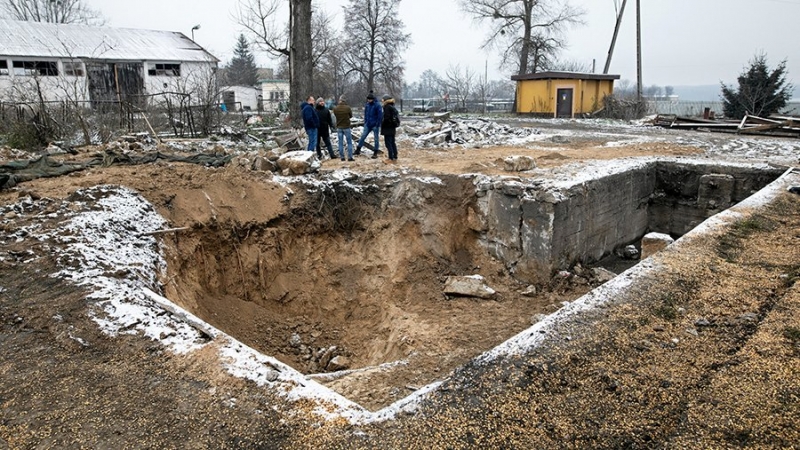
x,y
602,275
518,163
298,163
318,359
581,276
627,252
529,291
338,363
468,286
794,189
295,341
653,243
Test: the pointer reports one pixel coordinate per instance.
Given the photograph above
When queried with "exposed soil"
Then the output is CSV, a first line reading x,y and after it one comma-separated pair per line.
x,y
265,264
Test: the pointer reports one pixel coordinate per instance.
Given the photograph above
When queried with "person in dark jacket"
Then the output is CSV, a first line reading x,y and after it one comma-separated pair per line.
x,y
391,119
343,114
310,122
373,116
325,125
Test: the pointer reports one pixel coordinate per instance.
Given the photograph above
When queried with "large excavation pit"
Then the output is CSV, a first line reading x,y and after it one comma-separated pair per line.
x,y
346,284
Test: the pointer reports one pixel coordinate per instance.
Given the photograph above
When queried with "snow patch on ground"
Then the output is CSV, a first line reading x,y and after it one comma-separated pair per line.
x,y
104,246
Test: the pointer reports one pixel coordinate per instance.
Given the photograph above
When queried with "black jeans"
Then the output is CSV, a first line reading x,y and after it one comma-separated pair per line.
x,y
391,146
327,140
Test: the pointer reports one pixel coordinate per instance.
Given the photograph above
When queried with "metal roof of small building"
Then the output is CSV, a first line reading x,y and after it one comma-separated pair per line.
x,y
38,39
564,76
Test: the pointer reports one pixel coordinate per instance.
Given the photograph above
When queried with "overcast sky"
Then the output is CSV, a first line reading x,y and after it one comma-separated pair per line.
x,y
684,42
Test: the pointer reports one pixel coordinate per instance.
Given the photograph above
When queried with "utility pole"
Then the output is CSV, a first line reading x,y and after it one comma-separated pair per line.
x,y
614,39
485,83
639,50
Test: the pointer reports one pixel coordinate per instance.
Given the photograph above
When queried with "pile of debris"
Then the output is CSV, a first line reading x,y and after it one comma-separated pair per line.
x,y
774,125
443,131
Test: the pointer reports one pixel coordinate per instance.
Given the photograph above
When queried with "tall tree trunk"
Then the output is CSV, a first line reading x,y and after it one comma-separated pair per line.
x,y
525,51
300,61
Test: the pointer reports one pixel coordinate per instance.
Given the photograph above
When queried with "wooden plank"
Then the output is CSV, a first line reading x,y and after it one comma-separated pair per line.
x,y
723,126
769,126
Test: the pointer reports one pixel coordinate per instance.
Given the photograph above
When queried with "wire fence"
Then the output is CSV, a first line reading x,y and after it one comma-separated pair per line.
x,y
83,122
698,108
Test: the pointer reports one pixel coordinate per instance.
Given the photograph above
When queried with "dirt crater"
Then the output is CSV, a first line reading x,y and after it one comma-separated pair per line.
x,y
344,281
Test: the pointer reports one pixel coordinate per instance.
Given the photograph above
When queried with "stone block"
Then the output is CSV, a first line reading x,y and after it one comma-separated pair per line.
x,y
518,163
468,286
653,243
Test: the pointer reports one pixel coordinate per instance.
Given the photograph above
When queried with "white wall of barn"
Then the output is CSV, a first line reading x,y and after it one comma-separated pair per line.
x,y
197,79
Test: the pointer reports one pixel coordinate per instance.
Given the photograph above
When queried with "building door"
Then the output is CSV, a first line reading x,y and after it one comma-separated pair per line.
x,y
564,103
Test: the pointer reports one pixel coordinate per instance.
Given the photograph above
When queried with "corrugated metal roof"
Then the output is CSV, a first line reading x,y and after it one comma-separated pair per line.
x,y
37,39
564,76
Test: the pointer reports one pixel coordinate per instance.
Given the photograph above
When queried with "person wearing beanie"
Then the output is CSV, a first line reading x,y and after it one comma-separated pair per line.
x,y
325,125
343,114
391,120
373,116
310,122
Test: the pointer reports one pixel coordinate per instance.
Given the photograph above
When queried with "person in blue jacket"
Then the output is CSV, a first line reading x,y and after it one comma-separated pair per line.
x,y
373,116
310,123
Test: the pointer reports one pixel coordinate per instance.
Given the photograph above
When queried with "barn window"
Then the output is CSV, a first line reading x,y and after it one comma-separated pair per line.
x,y
164,70
3,67
35,68
73,69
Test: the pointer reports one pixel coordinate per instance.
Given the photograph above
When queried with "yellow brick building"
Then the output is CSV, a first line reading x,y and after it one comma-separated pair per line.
x,y
562,94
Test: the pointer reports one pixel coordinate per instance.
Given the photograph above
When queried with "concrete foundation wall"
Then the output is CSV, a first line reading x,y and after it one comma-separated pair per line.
x,y
600,215
687,194
536,231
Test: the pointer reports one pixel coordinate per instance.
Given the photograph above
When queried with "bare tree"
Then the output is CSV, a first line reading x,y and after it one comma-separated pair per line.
x,y
528,33
260,18
53,11
431,83
375,40
460,83
570,65
326,61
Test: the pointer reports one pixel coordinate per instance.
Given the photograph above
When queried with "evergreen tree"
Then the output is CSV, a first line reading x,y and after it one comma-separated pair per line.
x,y
760,92
242,70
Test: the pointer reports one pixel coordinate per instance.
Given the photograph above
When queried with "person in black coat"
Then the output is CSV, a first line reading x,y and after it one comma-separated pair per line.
x,y
325,126
391,120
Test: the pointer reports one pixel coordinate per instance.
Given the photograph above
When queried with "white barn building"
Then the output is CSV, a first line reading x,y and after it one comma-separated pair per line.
x,y
95,65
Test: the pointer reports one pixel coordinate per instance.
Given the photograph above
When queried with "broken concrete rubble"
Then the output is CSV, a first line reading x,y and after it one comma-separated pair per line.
x,y
298,162
468,286
518,163
442,131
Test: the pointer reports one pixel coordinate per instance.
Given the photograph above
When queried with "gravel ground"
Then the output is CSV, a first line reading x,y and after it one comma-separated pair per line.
x,y
701,351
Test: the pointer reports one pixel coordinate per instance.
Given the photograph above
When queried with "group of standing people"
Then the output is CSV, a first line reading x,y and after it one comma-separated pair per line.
x,y
379,119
